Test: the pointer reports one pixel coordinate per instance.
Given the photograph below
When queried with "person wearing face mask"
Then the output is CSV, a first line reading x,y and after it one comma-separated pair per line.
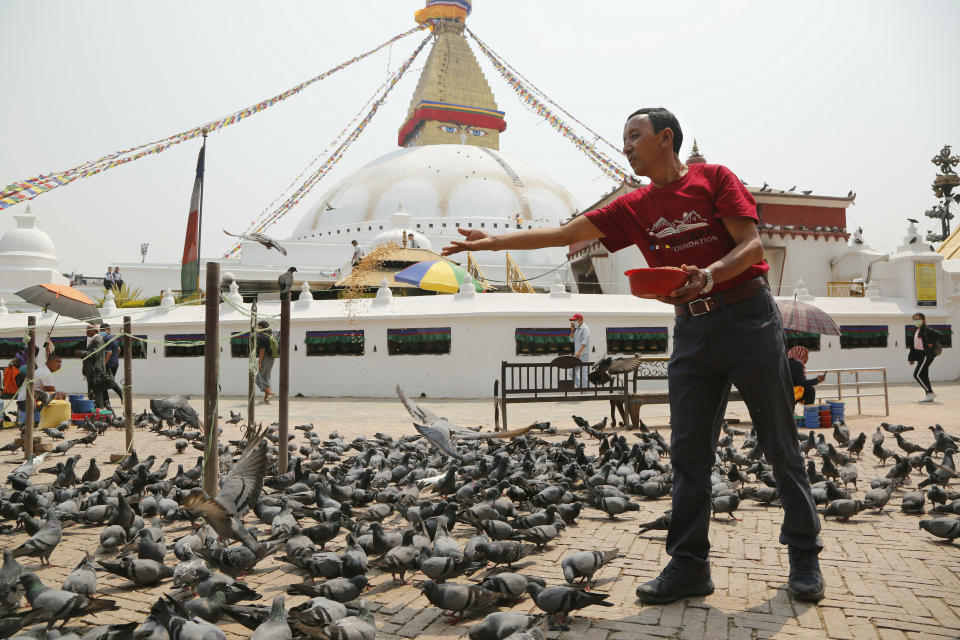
x,y
924,347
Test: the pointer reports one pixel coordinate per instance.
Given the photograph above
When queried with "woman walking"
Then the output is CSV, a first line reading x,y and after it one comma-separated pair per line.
x,y
924,348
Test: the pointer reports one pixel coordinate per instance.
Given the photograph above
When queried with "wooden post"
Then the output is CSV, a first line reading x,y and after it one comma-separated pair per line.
x,y
251,373
284,395
31,403
211,376
128,381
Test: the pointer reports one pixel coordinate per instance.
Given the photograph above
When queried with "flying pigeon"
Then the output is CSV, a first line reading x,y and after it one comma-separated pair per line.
x,y
266,241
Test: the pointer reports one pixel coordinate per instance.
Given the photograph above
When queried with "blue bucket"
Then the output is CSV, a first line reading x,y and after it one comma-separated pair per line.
x,y
82,406
74,399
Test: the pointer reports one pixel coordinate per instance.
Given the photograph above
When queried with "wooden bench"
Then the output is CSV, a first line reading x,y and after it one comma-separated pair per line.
x,y
553,382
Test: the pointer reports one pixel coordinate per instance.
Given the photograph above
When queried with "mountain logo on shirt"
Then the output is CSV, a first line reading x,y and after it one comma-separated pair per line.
x,y
663,228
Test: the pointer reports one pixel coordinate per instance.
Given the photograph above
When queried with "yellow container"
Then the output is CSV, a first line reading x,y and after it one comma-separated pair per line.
x,y
55,413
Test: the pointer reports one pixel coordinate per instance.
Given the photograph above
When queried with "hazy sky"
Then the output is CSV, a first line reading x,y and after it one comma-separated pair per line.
x,y
830,96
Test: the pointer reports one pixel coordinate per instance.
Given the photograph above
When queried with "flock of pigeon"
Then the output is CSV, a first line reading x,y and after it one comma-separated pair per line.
x,y
460,507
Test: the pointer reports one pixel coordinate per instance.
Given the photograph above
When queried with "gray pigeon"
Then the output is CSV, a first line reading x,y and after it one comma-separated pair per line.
x,y
239,491
261,238
359,627
584,564
275,627
317,612
441,568
112,537
285,281
505,552
399,560
56,604
179,626
83,579
842,509
499,625
510,586
209,608
10,591
144,573
947,528
877,498
44,541
913,502
458,598
437,430
339,589
560,601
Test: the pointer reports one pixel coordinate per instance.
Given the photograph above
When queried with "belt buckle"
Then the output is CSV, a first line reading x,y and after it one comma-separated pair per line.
x,y
706,304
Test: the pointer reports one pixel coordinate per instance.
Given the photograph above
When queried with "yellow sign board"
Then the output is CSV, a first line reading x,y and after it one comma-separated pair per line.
x,y
925,274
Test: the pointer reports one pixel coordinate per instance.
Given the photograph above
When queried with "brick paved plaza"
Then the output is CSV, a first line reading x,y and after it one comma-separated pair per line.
x,y
885,578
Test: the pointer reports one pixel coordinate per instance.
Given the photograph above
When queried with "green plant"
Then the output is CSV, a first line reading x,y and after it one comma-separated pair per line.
x,y
152,301
134,304
123,296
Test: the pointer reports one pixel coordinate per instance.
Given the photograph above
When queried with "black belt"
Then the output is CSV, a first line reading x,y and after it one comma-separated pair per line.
x,y
740,292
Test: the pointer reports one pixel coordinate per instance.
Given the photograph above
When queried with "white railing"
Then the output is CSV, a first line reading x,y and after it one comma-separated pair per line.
x,y
849,384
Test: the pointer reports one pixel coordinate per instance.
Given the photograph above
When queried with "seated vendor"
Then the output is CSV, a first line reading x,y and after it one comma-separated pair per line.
x,y
42,381
797,360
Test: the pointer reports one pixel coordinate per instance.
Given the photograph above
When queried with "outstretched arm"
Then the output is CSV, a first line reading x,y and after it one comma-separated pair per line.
x,y
577,230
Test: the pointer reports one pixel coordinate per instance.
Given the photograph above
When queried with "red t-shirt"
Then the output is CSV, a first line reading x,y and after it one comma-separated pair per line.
x,y
679,223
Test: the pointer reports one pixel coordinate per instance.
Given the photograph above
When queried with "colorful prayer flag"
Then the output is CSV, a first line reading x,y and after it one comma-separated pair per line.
x,y
190,267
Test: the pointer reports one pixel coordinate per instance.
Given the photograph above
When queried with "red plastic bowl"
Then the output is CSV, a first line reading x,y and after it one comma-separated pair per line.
x,y
657,281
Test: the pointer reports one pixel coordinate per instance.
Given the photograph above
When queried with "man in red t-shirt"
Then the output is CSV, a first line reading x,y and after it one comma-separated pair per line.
x,y
727,331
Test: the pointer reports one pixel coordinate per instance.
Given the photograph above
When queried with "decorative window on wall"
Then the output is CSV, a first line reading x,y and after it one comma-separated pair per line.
x,y
535,342
637,339
138,347
864,336
183,345
10,347
945,331
240,345
802,339
66,345
346,342
414,342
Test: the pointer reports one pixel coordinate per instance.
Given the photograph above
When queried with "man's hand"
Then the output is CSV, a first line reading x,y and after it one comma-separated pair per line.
x,y
822,377
910,362
476,240
691,290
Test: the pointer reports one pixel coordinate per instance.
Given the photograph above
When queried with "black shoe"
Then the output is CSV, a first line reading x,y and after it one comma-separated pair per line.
x,y
673,584
806,581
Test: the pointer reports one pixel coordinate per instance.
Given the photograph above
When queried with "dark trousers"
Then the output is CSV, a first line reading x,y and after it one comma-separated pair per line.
x,y
112,384
97,393
740,344
809,394
922,372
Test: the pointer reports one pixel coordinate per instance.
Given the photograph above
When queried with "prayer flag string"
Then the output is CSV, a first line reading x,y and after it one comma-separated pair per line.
x,y
596,136
526,93
297,196
32,187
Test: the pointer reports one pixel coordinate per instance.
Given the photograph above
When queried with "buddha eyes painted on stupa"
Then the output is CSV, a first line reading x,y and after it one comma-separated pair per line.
x,y
449,128
477,132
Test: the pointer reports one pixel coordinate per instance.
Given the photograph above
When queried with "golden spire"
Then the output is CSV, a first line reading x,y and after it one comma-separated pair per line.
x,y
453,103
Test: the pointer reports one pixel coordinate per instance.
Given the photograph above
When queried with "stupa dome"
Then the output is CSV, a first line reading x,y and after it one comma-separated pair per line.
x,y
26,245
452,181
